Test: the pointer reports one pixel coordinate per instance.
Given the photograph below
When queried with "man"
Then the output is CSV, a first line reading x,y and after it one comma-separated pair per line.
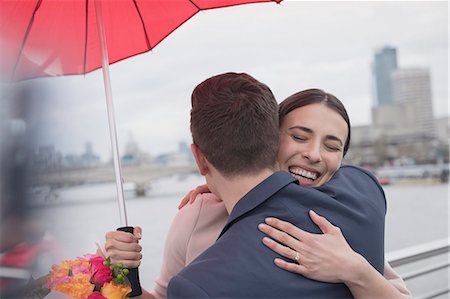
x,y
234,124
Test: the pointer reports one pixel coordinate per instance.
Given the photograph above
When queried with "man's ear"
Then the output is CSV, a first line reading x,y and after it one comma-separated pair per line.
x,y
200,159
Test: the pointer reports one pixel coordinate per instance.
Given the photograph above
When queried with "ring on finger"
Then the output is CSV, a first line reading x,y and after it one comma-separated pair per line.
x,y
297,257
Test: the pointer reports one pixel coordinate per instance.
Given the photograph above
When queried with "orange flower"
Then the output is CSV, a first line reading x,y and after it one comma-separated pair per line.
x,y
112,290
78,287
78,278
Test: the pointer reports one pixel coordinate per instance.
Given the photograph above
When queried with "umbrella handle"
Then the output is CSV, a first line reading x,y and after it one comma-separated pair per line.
x,y
133,275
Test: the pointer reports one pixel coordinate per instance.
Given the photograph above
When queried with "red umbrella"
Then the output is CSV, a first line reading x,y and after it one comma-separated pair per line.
x,y
67,37
61,36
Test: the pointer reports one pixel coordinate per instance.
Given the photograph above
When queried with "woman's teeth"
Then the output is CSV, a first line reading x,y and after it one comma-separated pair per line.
x,y
299,172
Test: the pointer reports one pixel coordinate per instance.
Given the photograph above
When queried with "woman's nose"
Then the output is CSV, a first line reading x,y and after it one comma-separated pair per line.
x,y
312,153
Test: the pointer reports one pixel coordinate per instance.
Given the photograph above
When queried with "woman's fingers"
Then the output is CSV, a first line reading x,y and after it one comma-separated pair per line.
x,y
137,232
190,197
280,236
199,190
124,247
291,267
287,227
281,249
128,259
113,244
324,225
185,200
193,195
121,236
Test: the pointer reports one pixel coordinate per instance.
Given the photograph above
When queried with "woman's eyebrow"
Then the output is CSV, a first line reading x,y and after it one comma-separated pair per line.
x,y
307,130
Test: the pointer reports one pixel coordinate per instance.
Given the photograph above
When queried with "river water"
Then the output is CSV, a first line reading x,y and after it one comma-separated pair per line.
x,y
77,217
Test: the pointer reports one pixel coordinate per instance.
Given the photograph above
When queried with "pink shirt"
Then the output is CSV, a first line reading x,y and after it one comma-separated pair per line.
x,y
196,227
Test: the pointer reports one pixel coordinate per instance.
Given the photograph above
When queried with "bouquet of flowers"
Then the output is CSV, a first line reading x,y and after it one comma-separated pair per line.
x,y
89,277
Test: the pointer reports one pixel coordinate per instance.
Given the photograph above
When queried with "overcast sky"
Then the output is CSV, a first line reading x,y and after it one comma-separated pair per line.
x,y
290,47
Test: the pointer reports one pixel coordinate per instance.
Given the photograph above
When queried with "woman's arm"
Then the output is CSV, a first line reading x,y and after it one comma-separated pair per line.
x,y
396,280
193,229
326,257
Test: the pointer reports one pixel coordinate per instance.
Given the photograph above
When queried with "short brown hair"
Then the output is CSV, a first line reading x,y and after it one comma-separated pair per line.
x,y
234,121
312,96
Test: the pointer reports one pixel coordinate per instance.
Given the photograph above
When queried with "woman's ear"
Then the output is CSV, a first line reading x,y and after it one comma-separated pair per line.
x,y
200,159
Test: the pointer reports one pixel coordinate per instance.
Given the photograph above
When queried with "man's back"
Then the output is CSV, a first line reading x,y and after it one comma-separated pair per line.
x,y
238,265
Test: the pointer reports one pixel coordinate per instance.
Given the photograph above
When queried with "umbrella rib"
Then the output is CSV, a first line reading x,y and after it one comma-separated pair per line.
x,y
143,25
38,4
193,3
86,36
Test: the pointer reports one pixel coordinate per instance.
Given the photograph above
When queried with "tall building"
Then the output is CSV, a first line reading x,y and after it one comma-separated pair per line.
x,y
412,89
406,127
403,128
385,62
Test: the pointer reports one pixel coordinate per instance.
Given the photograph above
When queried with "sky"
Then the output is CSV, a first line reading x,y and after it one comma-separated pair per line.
x,y
290,47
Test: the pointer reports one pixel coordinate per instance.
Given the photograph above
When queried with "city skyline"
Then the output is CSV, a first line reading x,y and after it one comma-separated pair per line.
x,y
290,47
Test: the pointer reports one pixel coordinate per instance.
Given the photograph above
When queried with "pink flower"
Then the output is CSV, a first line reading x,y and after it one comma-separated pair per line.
x,y
100,272
96,262
56,281
101,276
96,295
80,269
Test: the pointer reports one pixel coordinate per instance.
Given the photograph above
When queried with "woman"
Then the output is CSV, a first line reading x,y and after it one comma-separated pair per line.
x,y
312,150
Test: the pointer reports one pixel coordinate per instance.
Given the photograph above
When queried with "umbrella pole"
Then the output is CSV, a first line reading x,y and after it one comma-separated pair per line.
x,y
111,116
133,275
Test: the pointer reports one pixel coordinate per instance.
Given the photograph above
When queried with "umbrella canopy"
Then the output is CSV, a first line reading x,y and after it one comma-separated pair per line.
x,y
54,37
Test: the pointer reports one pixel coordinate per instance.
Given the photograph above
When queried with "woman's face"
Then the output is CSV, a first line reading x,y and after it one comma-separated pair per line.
x,y
312,140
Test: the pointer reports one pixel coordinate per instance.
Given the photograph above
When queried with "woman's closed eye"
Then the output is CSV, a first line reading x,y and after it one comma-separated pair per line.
x,y
299,138
333,148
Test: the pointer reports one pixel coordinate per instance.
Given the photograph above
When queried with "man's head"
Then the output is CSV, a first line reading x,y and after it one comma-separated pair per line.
x,y
234,123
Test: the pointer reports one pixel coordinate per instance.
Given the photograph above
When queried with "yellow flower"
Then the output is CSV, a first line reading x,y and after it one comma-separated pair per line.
x,y
78,287
113,290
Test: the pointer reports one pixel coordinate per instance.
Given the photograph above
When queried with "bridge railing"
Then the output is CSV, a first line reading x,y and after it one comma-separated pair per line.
x,y
424,268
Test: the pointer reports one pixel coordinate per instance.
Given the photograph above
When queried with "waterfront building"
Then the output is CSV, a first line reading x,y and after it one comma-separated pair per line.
x,y
372,146
181,157
133,155
385,63
412,91
89,158
403,127
46,157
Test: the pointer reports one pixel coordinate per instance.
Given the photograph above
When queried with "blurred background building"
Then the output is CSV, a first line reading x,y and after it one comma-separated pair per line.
x,y
403,130
385,62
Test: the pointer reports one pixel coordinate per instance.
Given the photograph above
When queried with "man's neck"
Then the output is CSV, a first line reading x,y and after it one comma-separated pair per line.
x,y
231,190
